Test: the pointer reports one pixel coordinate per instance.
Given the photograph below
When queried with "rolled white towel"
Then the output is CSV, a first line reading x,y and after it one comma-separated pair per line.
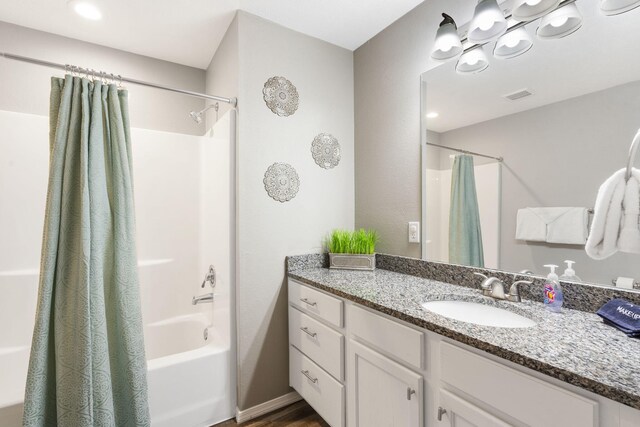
x,y
607,213
629,240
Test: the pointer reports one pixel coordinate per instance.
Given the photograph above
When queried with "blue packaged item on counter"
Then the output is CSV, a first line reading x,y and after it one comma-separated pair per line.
x,y
623,315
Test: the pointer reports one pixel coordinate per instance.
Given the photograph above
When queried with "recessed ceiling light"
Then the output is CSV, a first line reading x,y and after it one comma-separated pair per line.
x,y
86,9
432,115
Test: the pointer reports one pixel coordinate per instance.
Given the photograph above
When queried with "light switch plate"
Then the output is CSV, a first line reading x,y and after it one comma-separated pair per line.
x,y
414,232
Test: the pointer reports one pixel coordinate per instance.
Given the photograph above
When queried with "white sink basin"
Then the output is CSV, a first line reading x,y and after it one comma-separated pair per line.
x,y
479,314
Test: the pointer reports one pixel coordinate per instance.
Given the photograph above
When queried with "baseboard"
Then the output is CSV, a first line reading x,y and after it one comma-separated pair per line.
x,y
266,407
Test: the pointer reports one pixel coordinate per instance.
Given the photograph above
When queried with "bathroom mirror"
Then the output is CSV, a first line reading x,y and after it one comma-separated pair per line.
x,y
561,116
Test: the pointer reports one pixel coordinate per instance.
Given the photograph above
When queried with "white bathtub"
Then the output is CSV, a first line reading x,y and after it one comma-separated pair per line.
x,y
189,376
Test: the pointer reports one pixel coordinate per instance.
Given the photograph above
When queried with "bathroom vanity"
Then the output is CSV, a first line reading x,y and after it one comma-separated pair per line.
x,y
364,352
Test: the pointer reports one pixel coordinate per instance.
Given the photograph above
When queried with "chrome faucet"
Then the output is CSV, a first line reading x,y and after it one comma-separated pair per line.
x,y
494,288
202,298
209,278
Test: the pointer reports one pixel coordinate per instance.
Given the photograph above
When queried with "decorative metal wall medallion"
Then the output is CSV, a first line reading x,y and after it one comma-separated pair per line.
x,y
326,150
281,96
281,182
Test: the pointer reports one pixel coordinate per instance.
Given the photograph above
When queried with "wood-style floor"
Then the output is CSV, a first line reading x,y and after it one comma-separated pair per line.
x,y
299,414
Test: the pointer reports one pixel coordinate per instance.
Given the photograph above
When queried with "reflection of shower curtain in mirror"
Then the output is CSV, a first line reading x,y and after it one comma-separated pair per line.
x,y
465,235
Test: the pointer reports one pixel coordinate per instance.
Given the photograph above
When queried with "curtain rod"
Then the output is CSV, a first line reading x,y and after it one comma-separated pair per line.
x,y
232,101
500,159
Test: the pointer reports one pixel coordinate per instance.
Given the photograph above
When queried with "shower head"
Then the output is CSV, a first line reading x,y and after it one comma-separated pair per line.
x,y
197,116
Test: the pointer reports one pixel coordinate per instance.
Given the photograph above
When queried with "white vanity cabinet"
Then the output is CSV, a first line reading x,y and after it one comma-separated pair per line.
x,y
316,350
385,386
361,368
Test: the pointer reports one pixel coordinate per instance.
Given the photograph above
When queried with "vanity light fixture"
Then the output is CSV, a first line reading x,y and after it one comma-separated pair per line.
x,y
528,10
472,61
447,43
615,7
86,9
488,22
513,43
560,23
432,115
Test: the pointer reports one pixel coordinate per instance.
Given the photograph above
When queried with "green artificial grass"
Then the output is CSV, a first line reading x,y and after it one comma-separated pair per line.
x,y
352,242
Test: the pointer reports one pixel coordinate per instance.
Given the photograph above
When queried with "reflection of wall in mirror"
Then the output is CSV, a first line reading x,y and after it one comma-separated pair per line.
x,y
438,192
558,155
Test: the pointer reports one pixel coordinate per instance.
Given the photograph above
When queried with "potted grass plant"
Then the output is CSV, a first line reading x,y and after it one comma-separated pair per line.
x,y
352,250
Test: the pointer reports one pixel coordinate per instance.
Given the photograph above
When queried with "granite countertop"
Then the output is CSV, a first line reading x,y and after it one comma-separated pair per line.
x,y
573,346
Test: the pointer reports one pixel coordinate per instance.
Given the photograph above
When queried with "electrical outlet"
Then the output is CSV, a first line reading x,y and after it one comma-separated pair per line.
x,y
414,232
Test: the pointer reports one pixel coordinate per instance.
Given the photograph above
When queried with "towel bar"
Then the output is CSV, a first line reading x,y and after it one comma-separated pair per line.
x,y
632,154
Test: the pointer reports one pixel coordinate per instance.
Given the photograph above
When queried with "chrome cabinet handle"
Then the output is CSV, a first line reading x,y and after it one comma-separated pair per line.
x,y
441,412
410,391
306,331
306,374
306,301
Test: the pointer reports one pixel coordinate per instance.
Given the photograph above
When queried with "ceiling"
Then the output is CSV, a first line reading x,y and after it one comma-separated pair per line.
x,y
189,32
598,56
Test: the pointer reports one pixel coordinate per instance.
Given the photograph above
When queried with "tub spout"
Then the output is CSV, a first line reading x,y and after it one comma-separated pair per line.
x,y
202,298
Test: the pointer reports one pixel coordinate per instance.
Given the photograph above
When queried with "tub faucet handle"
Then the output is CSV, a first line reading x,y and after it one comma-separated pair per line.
x,y
210,277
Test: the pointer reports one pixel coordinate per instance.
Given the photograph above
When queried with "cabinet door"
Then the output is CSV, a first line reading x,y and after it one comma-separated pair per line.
x,y
382,392
460,413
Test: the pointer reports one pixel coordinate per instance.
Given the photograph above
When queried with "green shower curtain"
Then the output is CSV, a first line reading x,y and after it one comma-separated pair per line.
x,y
87,365
465,236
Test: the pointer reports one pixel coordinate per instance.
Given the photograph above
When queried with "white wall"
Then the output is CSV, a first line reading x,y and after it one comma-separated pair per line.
x,y
268,230
558,155
25,87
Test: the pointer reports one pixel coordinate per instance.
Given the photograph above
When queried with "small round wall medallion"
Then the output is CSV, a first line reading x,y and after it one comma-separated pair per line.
x,y
281,96
281,182
325,149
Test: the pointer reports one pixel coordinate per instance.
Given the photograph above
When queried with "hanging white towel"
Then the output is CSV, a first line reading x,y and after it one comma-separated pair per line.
x,y
615,218
553,225
629,240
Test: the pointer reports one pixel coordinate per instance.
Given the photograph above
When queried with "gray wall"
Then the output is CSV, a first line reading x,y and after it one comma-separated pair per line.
x,y
558,155
223,72
387,122
25,87
267,230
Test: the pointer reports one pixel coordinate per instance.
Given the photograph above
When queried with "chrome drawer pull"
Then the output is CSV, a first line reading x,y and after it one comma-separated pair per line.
x,y
306,301
441,412
410,391
306,331
306,374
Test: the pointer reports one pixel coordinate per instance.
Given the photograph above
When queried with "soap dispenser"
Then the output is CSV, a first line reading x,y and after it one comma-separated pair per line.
x,y
553,297
569,274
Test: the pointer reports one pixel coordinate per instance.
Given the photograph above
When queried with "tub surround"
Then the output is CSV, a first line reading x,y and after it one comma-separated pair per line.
x,y
574,346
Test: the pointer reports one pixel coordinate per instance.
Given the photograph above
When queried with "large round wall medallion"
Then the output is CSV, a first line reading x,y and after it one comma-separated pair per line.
x,y
281,182
326,150
281,96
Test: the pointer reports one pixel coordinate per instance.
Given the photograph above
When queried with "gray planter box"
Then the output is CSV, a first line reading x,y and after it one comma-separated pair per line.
x,y
352,261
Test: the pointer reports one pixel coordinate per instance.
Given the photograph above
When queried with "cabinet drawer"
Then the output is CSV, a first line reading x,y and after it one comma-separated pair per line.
x,y
322,305
319,342
404,343
322,392
528,399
